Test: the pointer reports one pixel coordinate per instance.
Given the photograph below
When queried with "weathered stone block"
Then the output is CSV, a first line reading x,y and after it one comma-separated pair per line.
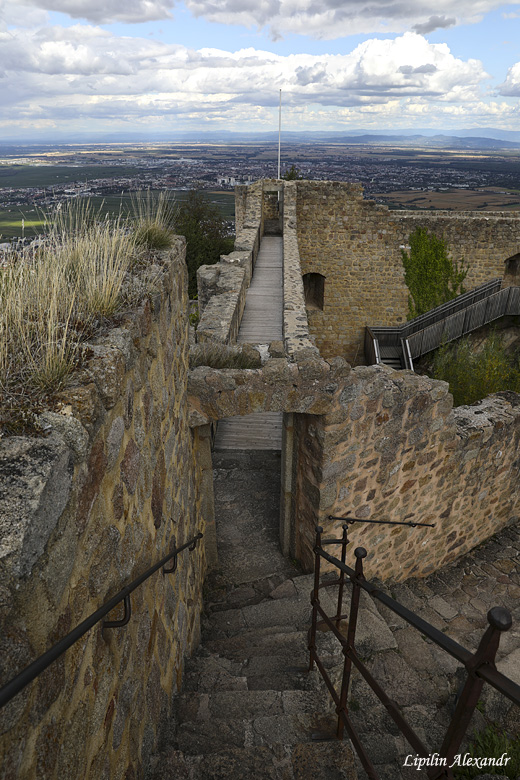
x,y
36,478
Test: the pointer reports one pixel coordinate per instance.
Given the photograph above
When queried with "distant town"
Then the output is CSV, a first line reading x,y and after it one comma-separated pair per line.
x,y
36,178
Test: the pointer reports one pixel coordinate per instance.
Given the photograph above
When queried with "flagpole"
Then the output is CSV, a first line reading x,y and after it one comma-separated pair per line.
x,y
279,131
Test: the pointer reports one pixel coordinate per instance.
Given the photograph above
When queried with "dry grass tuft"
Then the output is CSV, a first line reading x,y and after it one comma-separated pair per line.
x,y
217,355
154,219
54,297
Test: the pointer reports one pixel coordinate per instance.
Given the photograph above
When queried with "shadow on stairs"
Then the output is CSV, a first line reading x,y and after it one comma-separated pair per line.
x,y
249,707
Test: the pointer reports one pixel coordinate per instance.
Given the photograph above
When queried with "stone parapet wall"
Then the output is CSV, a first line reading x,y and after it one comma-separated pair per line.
x,y
357,244
382,445
222,287
83,511
297,339
392,448
484,241
280,385
240,206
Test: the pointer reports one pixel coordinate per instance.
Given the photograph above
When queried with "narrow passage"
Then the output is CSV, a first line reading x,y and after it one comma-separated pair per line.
x,y
261,324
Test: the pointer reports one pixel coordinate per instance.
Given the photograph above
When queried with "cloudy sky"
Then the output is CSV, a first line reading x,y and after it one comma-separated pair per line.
x,y
160,65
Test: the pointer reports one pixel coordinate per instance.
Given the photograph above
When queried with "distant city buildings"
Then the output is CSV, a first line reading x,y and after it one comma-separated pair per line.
x,y
210,167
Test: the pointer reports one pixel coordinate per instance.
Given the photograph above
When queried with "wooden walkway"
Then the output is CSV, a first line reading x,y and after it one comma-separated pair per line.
x,y
261,323
262,319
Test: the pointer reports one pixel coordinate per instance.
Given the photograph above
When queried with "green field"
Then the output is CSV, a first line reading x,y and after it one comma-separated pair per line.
x,y
11,220
19,176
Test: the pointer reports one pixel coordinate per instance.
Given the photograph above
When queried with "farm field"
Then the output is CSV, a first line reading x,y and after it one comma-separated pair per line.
x,y
482,199
34,219
18,176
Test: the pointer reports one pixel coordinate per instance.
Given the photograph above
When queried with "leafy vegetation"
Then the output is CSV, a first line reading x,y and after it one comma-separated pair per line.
x,y
473,375
430,274
492,742
291,174
114,205
206,235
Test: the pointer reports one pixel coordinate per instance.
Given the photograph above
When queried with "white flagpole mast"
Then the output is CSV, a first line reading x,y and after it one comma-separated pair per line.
x,y
279,131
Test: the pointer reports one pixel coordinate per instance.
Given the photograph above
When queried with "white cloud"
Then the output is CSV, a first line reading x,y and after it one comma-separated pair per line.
x,y
319,18
511,86
84,74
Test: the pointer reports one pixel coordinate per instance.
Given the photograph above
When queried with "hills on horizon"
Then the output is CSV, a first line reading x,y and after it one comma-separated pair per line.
x,y
470,138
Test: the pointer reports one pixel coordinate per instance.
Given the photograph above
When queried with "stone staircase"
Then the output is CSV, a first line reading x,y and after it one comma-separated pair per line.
x,y
249,707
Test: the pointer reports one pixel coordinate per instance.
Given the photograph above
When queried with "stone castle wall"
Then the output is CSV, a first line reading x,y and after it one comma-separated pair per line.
x,y
356,245
382,445
392,448
84,511
378,443
222,287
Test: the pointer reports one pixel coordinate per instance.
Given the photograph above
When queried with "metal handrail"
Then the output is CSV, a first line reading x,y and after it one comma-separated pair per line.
x,y
372,347
27,675
497,305
450,307
479,665
447,322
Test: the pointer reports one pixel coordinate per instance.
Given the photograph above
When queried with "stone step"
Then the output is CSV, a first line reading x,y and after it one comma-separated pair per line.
x,y
214,734
240,705
262,643
276,672
303,761
221,595
292,612
258,660
290,615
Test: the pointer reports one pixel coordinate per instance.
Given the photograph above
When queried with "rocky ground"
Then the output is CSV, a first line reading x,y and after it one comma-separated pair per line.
x,y
249,708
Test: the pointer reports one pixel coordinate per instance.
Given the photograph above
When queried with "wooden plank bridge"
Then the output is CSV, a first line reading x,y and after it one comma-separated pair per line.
x,y
261,324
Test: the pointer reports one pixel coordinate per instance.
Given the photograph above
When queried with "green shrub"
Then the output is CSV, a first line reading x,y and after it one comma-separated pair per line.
x,y
291,174
473,375
492,742
430,274
201,223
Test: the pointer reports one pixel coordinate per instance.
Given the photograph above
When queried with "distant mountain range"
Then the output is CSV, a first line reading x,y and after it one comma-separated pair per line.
x,y
471,138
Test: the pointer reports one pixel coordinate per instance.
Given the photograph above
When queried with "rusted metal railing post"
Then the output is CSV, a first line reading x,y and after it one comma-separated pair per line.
x,y
315,597
344,542
360,553
499,620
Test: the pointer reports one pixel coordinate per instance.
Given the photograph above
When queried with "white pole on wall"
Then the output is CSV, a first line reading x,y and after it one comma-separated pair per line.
x,y
279,131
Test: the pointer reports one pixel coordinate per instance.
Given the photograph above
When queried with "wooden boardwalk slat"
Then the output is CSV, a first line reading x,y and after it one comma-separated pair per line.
x,y
259,431
262,322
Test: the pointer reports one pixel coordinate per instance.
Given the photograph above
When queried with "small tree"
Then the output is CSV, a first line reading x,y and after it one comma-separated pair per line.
x,y
292,173
430,274
204,228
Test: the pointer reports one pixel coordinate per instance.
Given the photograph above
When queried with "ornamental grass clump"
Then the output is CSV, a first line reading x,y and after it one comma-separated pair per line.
x,y
153,219
55,296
